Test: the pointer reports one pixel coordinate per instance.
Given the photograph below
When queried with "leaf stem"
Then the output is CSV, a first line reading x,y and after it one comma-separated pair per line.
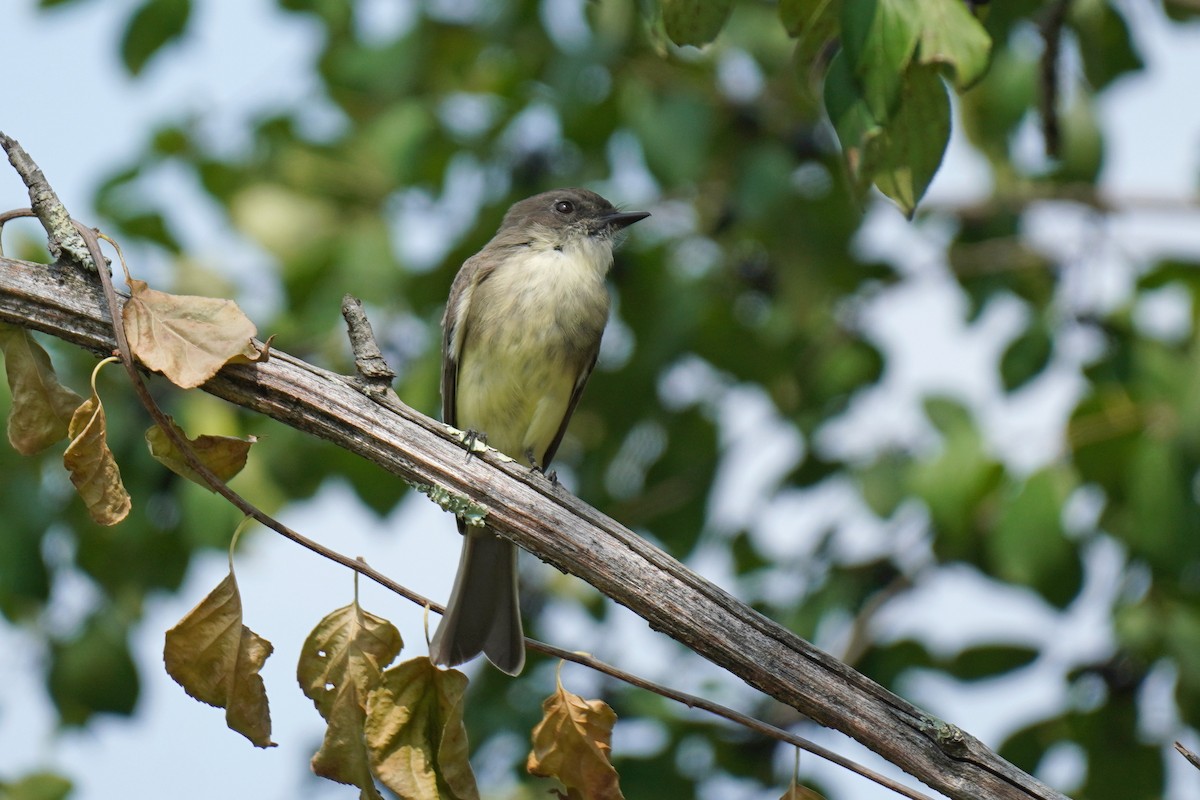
x,y
237,532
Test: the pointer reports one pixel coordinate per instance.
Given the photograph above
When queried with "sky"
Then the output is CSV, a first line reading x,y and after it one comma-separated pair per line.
x,y
79,116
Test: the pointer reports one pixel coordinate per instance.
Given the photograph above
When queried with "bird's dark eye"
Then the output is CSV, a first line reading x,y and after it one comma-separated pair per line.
x,y
564,206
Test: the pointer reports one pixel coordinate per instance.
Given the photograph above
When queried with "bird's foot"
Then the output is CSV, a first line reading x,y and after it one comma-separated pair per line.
x,y
534,466
474,441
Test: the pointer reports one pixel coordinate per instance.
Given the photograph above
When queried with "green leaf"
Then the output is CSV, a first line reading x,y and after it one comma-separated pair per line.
x,y
892,116
676,129
694,22
1082,144
900,154
93,672
1026,356
1029,545
1122,762
800,17
989,661
955,483
1181,11
813,24
949,416
952,37
995,107
882,484
24,577
1181,634
1159,522
1107,49
37,786
851,117
151,27
907,155
878,38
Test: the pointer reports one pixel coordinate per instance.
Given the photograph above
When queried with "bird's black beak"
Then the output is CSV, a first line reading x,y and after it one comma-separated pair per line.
x,y
622,219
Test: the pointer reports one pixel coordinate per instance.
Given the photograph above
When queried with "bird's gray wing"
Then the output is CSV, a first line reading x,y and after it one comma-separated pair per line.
x,y
454,330
576,393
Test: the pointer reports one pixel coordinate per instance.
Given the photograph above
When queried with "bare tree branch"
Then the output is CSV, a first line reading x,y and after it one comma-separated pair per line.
x,y
1192,758
566,533
65,241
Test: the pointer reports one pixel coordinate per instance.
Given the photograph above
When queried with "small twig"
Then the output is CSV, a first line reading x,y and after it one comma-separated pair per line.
x,y
7,217
1192,758
374,374
63,240
1052,27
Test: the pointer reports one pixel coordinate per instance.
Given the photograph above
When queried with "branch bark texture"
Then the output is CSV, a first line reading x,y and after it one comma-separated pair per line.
x,y
566,533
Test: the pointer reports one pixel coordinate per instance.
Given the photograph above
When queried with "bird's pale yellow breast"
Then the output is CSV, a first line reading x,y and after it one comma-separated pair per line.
x,y
533,326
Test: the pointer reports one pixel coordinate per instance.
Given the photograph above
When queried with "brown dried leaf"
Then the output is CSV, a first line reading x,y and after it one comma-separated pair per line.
x,y
186,338
91,465
41,406
415,733
573,743
225,456
798,791
216,659
340,663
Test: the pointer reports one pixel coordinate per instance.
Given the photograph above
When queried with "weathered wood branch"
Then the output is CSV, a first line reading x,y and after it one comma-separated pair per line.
x,y
566,533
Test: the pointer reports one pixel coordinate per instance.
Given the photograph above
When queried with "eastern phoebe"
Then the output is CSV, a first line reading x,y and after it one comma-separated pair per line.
x,y
519,339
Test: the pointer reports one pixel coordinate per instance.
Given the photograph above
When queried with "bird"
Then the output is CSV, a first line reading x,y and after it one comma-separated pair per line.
x,y
520,337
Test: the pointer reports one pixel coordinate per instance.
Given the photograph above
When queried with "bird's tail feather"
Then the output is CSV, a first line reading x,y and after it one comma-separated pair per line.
x,y
483,615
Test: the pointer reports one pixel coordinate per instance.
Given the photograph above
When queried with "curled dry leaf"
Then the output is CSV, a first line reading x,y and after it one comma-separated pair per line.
x,y
41,406
216,659
91,465
573,743
186,338
251,354
225,456
415,734
340,664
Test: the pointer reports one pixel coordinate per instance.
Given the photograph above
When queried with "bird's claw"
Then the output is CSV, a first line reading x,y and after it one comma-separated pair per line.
x,y
471,438
534,466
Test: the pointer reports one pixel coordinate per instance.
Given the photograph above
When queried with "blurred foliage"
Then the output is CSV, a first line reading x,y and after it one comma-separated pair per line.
x,y
750,268
36,786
